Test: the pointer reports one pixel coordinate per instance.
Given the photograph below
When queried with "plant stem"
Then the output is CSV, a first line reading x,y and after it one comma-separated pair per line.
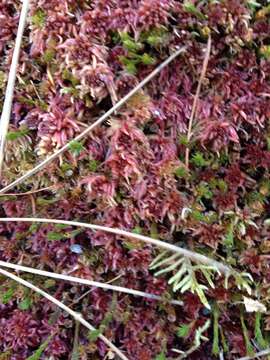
x,y
196,99
77,317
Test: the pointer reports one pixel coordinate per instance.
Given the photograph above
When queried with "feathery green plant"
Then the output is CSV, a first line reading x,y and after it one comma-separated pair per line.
x,y
184,277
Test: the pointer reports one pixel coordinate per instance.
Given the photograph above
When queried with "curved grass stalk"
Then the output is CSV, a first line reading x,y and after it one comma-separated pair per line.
x,y
86,282
77,317
95,124
198,258
196,99
5,116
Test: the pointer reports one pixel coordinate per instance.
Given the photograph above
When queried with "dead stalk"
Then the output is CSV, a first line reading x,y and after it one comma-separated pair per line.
x,y
196,99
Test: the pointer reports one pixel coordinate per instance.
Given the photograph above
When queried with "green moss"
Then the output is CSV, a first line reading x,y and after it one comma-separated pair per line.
x,y
14,135
183,140
203,191
129,43
198,160
191,9
54,236
134,56
156,36
197,215
93,165
76,147
183,330
48,56
137,230
181,172
146,59
39,18
265,51
68,76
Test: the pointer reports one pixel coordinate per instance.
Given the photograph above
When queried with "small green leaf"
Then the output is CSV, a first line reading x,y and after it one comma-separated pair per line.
x,y
129,43
181,172
200,292
225,345
14,135
132,45
7,295
93,165
198,160
156,36
191,8
129,64
147,59
160,356
137,230
129,245
49,283
48,56
3,79
183,140
39,18
183,330
54,236
76,147
197,215
25,304
33,228
204,191
265,51
93,335
68,76
268,143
